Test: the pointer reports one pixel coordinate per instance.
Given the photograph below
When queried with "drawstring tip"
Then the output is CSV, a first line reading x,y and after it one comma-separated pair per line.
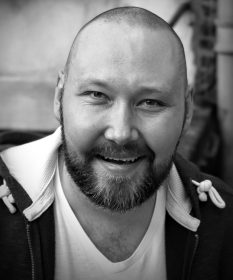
x,y
205,187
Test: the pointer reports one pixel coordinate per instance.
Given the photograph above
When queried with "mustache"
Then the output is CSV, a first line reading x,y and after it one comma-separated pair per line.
x,y
111,149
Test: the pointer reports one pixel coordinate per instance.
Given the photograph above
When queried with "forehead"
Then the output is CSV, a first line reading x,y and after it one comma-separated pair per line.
x,y
119,51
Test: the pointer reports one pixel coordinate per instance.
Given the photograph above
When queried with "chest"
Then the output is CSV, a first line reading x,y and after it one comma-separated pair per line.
x,y
116,246
112,257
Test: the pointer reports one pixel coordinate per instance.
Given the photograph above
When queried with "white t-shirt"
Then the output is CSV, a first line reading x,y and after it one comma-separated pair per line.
x,y
78,258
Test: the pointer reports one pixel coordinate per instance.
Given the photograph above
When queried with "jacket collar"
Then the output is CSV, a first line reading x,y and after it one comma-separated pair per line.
x,y
178,203
188,172
35,172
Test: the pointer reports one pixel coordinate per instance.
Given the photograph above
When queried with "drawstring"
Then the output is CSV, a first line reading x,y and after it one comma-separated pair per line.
x,y
205,187
7,197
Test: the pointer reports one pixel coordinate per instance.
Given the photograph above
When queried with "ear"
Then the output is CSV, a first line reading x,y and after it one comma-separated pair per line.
x,y
58,93
188,109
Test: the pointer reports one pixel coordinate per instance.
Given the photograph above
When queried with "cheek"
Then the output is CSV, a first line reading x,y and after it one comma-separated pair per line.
x,y
162,136
81,128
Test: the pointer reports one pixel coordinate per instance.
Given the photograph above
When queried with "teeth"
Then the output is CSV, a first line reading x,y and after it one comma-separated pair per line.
x,y
130,160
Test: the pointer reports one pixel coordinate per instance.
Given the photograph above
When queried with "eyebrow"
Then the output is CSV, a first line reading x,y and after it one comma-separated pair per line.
x,y
95,81
154,89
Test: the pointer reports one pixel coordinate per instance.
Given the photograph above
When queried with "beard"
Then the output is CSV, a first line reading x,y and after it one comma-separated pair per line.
x,y
115,193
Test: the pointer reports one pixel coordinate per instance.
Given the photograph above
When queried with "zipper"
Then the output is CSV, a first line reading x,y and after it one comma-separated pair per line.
x,y
193,255
30,250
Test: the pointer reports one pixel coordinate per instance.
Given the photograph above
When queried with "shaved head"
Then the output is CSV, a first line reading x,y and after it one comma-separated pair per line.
x,y
135,18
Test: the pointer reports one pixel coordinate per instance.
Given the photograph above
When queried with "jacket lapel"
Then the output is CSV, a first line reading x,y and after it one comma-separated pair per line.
x,y
22,199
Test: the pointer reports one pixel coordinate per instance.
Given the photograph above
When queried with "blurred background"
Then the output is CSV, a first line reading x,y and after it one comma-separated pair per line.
x,y
35,37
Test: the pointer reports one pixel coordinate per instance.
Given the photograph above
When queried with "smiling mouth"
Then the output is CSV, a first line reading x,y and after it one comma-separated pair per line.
x,y
121,161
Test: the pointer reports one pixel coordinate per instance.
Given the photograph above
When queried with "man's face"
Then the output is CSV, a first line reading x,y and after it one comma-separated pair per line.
x,y
122,114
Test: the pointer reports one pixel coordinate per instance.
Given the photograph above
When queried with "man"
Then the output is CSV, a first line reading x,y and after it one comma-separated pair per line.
x,y
106,196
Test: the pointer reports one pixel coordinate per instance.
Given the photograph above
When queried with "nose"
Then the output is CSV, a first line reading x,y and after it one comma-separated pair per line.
x,y
121,129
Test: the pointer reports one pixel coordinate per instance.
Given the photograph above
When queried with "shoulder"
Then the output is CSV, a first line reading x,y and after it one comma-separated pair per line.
x,y
189,172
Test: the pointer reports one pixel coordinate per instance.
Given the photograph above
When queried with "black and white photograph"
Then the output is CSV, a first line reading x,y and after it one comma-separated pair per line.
x,y
116,140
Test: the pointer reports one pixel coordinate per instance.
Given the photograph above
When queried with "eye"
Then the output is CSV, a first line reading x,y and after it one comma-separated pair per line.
x,y
97,94
96,97
150,104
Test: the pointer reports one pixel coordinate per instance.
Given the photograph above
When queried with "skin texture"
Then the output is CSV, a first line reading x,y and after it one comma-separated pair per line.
x,y
124,88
